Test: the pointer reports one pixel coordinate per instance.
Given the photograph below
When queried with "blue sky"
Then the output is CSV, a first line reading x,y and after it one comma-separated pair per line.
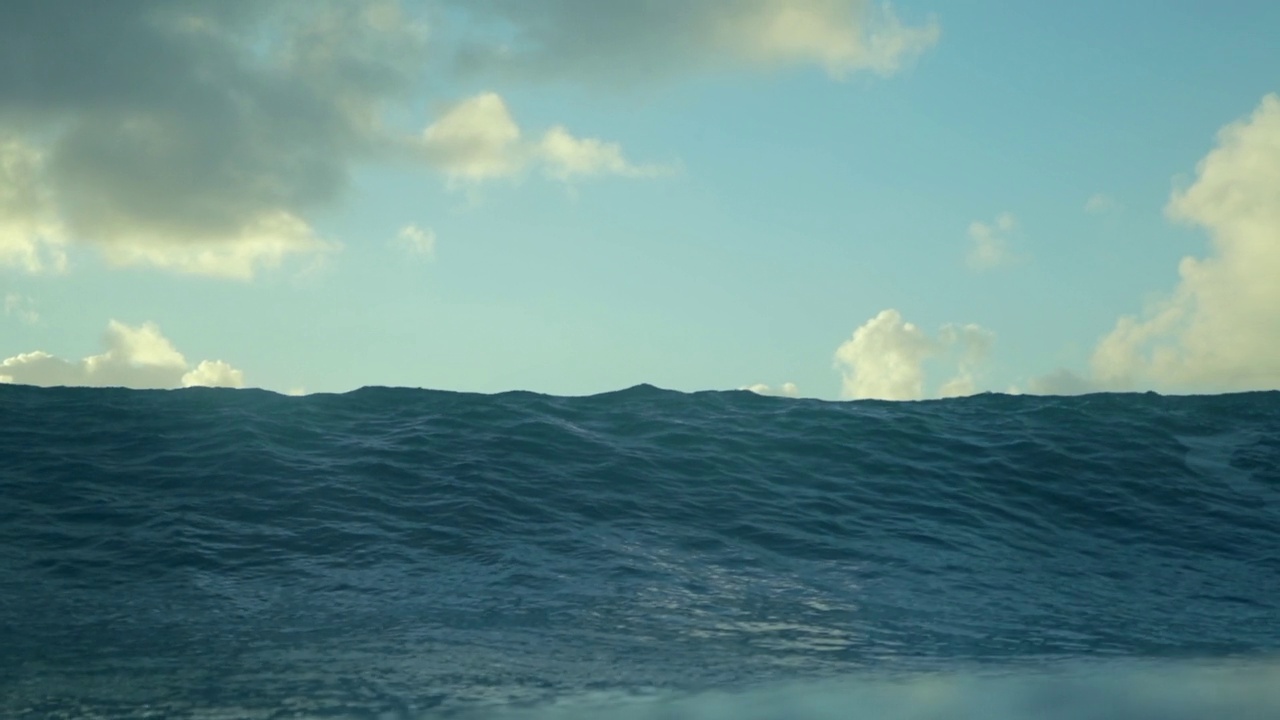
x,y
830,198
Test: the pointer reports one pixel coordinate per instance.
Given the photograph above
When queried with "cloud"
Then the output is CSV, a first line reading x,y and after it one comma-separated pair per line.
x,y
624,42
135,357
477,139
969,345
885,358
784,390
31,236
188,135
990,242
1061,382
416,241
20,307
565,157
1218,330
1098,204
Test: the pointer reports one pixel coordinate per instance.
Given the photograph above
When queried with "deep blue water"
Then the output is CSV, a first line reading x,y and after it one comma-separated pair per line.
x,y
393,553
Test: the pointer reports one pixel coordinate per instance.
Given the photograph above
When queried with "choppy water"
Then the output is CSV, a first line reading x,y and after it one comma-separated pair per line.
x,y
392,553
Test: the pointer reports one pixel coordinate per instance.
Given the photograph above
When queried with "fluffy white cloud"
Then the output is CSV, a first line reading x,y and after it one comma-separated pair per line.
x,y
627,41
885,358
1098,203
1219,329
787,389
213,373
478,139
135,357
989,246
416,241
20,307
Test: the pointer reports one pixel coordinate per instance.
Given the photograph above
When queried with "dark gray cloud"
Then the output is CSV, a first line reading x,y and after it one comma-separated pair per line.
x,y
197,134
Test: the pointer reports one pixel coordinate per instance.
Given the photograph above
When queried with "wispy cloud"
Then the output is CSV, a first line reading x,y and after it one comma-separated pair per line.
x,y
21,307
1099,204
136,357
611,42
989,242
417,242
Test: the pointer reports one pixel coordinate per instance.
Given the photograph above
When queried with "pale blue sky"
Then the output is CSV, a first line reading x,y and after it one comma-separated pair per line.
x,y
792,207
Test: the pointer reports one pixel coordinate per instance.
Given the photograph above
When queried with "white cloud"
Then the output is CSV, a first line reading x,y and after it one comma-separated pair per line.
x,y
885,358
264,242
990,242
213,373
135,357
1098,203
31,236
1219,329
970,345
20,307
787,389
843,37
565,157
416,241
478,139
619,42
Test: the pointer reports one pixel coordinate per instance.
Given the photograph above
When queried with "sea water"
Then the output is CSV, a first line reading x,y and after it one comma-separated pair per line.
x,y
398,553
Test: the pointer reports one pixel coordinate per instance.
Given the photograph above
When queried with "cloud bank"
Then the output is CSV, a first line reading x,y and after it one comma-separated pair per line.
x,y
885,359
1219,329
135,357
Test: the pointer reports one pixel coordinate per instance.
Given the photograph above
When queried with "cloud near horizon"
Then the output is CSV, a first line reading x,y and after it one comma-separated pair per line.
x,y
135,357
885,359
786,389
1219,329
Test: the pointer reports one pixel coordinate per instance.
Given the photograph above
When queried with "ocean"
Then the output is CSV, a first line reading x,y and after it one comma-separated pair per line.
x,y
399,553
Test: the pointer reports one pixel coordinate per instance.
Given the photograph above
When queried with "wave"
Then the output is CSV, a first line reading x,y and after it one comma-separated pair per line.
x,y
525,547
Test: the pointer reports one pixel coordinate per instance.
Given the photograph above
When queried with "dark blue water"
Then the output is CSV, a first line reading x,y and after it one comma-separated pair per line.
x,y
392,553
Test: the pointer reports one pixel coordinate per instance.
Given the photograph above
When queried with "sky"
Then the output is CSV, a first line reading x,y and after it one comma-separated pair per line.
x,y
836,199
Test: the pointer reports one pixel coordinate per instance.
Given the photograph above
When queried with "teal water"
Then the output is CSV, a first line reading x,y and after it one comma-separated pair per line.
x,y
393,553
